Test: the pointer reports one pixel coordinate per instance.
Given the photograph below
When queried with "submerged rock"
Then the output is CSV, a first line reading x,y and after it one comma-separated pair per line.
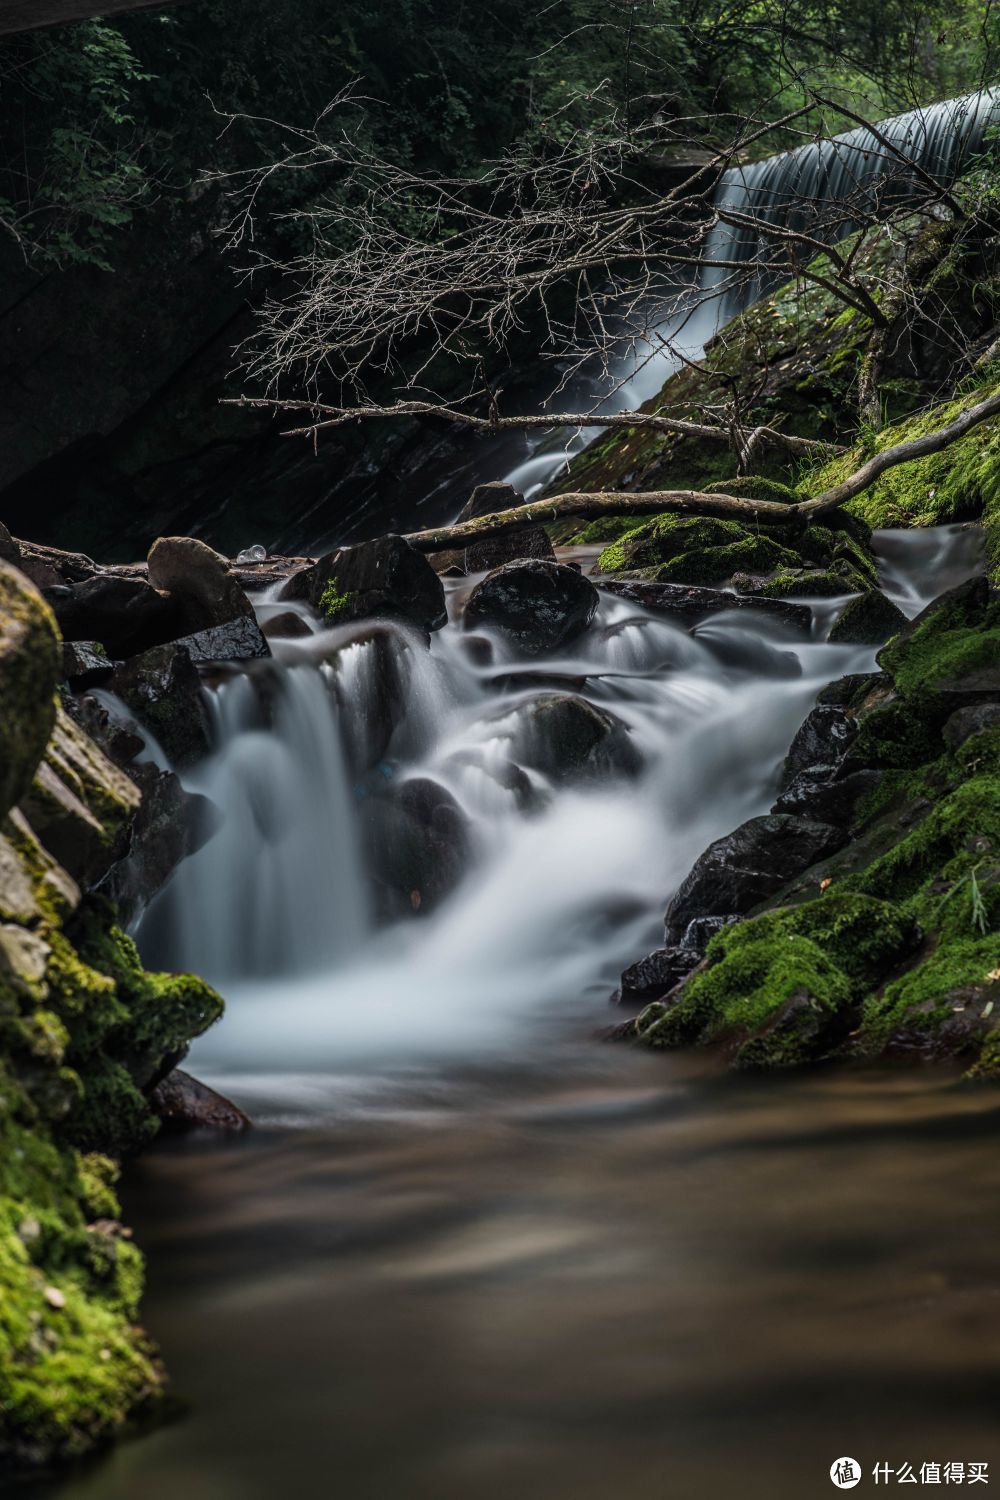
x,y
569,739
690,604
419,841
539,606
182,1103
747,866
286,626
385,578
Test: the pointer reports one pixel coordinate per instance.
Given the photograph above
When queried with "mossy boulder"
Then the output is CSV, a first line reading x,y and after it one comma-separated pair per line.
x,y
30,668
868,620
891,944
85,1033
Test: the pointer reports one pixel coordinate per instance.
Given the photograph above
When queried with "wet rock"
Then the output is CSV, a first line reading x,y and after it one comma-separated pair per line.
x,y
700,931
120,742
691,603
200,581
419,842
163,689
822,740
973,719
527,541
385,578
540,606
235,640
868,620
10,552
183,1103
827,797
287,626
85,664
853,690
569,739
79,805
169,825
747,866
126,615
29,672
654,975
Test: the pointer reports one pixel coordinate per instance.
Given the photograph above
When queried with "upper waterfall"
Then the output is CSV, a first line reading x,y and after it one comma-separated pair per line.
x,y
827,186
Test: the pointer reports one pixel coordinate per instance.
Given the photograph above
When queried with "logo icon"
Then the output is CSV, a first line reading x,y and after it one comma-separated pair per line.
x,y
845,1473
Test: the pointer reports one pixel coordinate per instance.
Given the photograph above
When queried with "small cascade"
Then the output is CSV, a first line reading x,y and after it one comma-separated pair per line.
x,y
450,773
277,890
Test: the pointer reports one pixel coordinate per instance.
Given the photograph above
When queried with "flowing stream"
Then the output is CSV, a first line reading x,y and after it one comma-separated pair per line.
x,y
470,1252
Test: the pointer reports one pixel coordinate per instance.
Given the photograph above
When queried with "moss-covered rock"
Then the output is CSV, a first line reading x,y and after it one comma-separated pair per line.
x,y
892,944
85,1032
29,672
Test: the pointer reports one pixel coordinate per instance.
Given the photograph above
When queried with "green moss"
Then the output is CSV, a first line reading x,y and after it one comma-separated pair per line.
x,y
952,982
333,604
778,985
960,483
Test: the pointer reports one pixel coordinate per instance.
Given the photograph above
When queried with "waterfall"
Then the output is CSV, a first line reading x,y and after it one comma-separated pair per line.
x,y
855,171
858,172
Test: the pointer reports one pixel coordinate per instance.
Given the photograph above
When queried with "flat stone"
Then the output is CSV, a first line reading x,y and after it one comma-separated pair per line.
x,y
24,957
693,603
974,718
236,640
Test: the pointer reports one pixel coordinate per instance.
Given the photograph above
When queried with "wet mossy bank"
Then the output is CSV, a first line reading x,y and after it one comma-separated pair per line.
x,y
891,945
85,1033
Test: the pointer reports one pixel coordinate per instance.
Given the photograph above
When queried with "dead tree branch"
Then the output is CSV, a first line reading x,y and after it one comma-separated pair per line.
x,y
589,507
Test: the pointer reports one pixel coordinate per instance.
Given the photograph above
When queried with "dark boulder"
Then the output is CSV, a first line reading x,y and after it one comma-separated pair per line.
x,y
385,578
125,614
540,606
199,580
828,797
867,620
526,541
569,739
690,603
163,689
822,740
747,866
973,719
183,1103
654,975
